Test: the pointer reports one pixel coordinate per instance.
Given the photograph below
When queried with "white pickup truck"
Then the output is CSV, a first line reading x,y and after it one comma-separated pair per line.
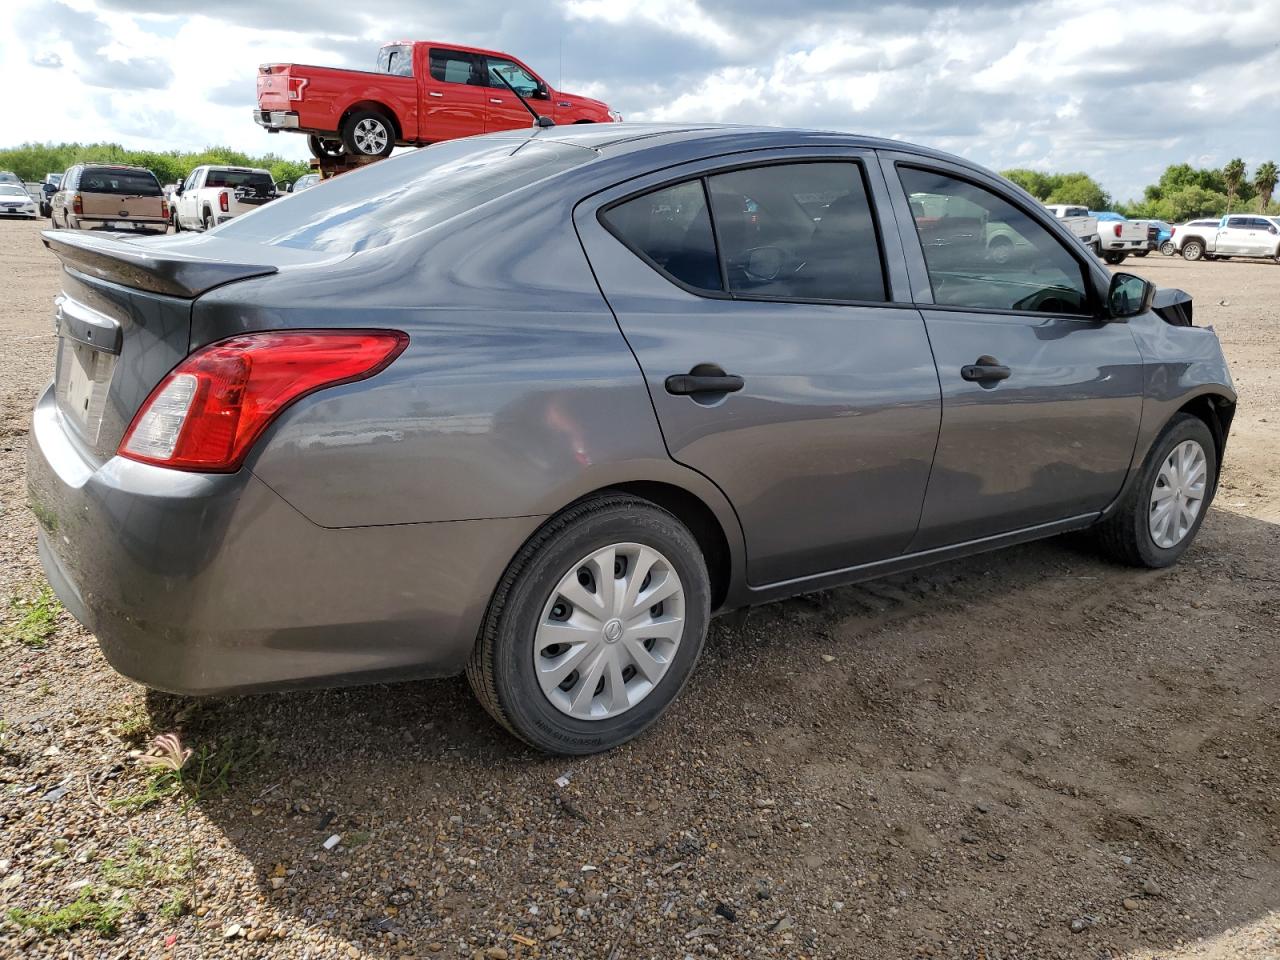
x,y
1237,235
213,195
1078,221
1120,237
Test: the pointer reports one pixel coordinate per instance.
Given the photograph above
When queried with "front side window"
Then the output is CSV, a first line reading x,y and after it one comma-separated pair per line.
x,y
524,83
671,228
454,66
793,231
982,252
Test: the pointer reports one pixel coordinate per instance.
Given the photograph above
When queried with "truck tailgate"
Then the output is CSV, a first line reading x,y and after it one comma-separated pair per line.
x,y
273,86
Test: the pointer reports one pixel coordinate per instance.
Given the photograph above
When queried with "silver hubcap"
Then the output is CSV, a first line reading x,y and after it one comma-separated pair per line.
x,y
1178,494
609,631
370,136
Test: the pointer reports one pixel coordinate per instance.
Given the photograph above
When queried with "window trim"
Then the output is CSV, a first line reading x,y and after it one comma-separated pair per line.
x,y
1094,313
725,293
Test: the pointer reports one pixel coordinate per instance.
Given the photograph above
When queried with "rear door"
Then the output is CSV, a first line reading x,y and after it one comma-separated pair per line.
x,y
1040,401
454,95
784,361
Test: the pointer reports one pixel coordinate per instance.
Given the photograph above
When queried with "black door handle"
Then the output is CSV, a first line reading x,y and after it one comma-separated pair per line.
x,y
704,378
986,369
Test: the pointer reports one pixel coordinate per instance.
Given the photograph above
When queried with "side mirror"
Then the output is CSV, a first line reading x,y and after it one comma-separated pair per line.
x,y
1129,296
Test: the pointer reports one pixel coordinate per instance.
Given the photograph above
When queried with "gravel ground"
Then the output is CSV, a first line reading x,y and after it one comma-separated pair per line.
x,y
1028,754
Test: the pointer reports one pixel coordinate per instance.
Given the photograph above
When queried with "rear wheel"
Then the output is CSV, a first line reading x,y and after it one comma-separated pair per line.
x,y
206,221
1114,257
1192,250
1162,511
595,627
1000,250
368,133
1141,253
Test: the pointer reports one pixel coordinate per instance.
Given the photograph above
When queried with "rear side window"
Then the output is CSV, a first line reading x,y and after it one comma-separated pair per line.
x,y
795,231
982,252
1239,223
453,66
396,60
123,182
403,196
671,228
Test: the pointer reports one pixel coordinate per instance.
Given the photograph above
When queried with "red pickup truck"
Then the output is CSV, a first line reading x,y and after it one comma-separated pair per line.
x,y
421,92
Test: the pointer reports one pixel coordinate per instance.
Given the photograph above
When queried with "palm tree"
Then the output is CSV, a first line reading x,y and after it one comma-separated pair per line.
x,y
1264,178
1234,174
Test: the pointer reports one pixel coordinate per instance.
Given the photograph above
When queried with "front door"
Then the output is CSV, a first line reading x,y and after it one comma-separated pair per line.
x,y
781,359
454,96
187,201
504,109
1040,399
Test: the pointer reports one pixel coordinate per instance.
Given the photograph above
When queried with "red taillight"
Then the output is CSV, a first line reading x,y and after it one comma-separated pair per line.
x,y
1172,231
1117,229
226,206
77,204
296,86
209,410
164,209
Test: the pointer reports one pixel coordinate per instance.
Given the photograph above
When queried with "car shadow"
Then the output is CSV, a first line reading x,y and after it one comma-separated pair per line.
x,y
1025,753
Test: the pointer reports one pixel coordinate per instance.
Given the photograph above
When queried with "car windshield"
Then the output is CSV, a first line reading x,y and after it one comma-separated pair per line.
x,y
401,197
7,177
118,181
258,181
8,190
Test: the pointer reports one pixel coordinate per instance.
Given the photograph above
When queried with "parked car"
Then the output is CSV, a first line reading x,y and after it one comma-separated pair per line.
x,y
7,176
1153,237
536,406
421,92
1236,235
212,195
109,196
1120,237
1163,237
305,181
1080,223
15,201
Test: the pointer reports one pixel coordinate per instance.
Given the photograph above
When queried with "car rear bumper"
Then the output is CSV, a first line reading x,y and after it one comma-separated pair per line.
x,y
276,119
203,583
1113,245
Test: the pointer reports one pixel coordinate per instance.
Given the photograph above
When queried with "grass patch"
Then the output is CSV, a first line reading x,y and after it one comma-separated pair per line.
x,y
143,868
159,786
210,771
131,722
93,909
37,619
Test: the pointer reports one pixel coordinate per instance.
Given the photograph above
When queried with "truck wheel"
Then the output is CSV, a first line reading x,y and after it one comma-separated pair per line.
x,y
1192,250
1114,258
207,220
594,628
323,149
1168,249
368,133
1000,250
1141,253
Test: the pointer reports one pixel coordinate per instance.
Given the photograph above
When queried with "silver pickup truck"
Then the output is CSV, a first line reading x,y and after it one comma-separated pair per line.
x,y
1078,221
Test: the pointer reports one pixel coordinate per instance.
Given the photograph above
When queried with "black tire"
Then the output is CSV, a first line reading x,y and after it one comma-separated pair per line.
x,y
206,221
1192,250
1168,249
177,223
1114,258
1000,250
322,148
1141,253
1126,534
354,142
501,668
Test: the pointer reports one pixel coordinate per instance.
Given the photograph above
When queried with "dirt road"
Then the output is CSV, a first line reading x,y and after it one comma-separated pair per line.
x,y
1029,754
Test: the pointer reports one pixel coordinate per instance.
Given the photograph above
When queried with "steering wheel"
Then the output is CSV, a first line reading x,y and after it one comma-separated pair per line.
x,y
765,264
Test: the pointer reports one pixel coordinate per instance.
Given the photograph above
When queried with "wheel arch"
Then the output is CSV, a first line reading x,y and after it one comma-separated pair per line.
x,y
1216,410
377,105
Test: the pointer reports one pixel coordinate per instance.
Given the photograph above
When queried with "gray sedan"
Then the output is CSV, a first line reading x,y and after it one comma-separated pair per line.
x,y
536,406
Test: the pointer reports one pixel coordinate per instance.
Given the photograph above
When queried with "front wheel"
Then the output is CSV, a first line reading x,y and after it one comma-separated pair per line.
x,y
594,628
368,133
1000,250
1168,249
1160,514
1114,258
1192,250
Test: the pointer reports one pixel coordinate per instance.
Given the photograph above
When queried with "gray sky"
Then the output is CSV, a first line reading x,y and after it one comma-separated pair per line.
x,y
1117,89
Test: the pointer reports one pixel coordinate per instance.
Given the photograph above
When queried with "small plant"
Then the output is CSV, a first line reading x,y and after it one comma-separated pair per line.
x,y
144,868
132,722
36,621
92,909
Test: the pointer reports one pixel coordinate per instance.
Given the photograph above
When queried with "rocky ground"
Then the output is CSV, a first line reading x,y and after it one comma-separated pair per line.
x,y
1030,754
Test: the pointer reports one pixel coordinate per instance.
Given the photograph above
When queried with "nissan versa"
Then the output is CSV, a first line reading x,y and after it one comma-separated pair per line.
x,y
534,406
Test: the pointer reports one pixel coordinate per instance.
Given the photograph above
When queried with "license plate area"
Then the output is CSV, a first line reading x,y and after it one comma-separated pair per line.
x,y
81,386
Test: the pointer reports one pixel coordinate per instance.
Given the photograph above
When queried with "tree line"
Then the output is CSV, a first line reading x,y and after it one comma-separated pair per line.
x,y
1182,193
31,161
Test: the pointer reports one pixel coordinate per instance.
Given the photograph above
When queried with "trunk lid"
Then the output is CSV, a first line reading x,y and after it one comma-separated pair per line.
x,y
123,321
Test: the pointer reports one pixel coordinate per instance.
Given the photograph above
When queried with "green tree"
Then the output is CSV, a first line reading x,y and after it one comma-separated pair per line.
x,y
1079,188
1033,181
31,161
1234,175
1264,179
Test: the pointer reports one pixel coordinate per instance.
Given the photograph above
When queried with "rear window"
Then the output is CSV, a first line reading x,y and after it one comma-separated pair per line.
x,y
260,183
404,196
127,182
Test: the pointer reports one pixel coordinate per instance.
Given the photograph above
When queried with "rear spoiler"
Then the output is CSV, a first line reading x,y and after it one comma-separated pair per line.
x,y
147,268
